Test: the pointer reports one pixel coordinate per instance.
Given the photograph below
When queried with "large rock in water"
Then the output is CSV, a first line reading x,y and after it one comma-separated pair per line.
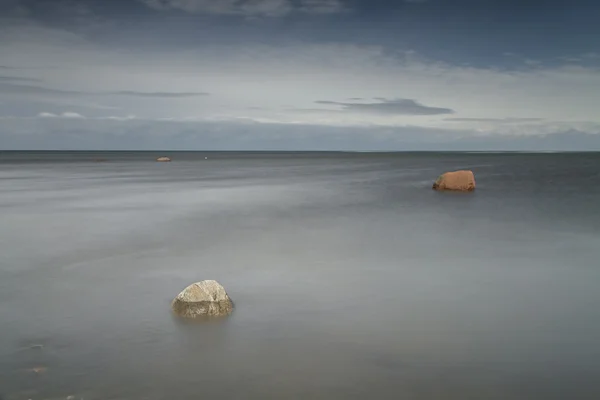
x,y
163,159
202,298
458,180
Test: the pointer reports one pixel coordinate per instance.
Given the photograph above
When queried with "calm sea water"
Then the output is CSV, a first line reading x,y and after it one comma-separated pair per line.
x,y
352,279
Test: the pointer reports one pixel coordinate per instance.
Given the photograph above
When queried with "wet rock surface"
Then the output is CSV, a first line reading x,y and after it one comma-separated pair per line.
x,y
205,298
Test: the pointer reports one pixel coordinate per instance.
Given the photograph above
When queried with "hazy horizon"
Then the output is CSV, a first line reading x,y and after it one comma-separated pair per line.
x,y
292,151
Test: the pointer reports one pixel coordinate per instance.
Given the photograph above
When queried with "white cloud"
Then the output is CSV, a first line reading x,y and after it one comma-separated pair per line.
x,y
117,118
67,114
71,115
47,115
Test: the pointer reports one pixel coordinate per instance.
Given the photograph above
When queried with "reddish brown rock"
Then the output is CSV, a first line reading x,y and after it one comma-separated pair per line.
x,y
463,181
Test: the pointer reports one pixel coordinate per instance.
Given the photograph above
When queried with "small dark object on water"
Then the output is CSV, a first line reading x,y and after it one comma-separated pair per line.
x,y
100,160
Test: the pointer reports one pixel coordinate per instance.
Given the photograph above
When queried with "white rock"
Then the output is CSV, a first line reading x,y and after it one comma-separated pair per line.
x,y
202,298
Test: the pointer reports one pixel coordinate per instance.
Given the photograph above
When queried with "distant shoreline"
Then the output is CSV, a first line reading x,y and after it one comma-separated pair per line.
x,y
317,151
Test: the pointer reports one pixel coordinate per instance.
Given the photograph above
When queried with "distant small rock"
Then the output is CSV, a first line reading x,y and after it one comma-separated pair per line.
x,y
206,298
463,181
163,159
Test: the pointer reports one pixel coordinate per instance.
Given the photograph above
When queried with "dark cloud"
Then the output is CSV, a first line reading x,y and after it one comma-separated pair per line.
x,y
390,107
253,8
14,88
17,79
168,95
496,120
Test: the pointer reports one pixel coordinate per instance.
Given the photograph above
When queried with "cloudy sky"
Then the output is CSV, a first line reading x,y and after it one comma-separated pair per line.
x,y
300,74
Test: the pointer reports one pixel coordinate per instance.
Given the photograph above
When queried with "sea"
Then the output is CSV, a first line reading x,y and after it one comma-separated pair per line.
x,y
351,277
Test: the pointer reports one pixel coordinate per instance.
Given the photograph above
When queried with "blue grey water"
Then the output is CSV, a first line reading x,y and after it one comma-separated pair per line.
x,y
352,279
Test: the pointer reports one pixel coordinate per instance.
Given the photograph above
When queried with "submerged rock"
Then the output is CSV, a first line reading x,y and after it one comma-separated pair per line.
x,y
163,159
458,180
38,370
206,298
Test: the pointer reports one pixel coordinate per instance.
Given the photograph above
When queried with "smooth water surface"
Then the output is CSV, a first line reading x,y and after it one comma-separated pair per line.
x,y
352,279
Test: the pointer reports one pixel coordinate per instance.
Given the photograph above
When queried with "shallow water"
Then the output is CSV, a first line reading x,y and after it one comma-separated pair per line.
x,y
351,277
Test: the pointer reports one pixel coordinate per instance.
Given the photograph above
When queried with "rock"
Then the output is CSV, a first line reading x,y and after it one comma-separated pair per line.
x,y
206,298
163,159
38,370
458,180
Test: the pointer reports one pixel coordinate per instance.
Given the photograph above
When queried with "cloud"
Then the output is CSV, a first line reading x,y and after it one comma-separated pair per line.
x,y
14,88
168,95
591,55
67,114
531,62
321,6
251,8
71,115
268,82
47,115
390,107
17,79
495,120
117,118
74,115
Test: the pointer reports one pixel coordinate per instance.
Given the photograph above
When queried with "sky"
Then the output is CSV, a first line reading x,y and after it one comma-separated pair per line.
x,y
358,75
